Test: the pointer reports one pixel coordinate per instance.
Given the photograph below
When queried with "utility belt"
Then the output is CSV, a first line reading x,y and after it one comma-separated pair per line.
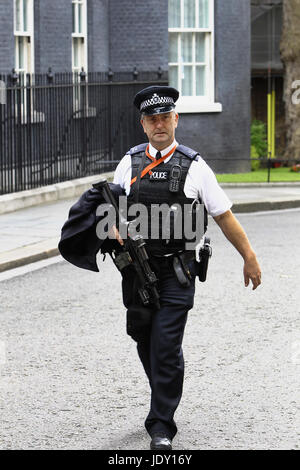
x,y
181,263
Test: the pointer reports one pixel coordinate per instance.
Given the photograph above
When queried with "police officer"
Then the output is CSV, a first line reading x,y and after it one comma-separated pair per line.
x,y
145,173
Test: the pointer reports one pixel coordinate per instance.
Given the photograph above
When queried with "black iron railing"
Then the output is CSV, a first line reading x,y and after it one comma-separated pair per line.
x,y
57,127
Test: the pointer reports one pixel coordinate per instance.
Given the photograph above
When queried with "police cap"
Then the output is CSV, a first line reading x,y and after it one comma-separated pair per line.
x,y
156,99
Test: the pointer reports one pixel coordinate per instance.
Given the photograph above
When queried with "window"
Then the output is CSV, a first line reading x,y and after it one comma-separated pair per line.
x,y
24,58
191,54
79,53
23,30
79,35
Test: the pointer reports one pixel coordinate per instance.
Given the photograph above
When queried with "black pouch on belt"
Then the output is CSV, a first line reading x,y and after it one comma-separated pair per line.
x,y
181,268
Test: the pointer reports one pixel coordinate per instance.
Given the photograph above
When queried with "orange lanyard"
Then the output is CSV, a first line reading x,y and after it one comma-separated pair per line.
x,y
153,164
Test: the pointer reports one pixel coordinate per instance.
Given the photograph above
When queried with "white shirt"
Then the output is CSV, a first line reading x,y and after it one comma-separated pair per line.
x,y
200,181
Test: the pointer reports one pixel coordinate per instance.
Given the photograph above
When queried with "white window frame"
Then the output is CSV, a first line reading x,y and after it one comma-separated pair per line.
x,y
25,34
206,103
80,35
83,64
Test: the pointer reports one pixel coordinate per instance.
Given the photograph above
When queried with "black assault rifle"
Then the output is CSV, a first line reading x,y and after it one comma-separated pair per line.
x,y
132,252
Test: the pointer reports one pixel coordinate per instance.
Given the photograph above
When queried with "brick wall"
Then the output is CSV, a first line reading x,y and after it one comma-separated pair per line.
x,y
98,35
139,34
53,35
123,34
7,54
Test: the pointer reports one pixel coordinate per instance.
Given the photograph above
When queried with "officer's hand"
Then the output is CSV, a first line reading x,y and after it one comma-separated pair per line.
x,y
252,272
115,234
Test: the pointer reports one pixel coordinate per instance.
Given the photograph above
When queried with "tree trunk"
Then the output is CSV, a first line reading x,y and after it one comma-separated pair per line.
x,y
290,55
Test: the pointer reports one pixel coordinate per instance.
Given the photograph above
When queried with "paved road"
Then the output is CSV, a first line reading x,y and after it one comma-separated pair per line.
x,y
70,377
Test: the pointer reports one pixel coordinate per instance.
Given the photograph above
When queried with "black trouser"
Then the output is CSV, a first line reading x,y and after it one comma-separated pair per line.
x,y
160,350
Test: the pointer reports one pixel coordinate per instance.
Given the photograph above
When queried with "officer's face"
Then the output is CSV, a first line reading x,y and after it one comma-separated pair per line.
x,y
160,129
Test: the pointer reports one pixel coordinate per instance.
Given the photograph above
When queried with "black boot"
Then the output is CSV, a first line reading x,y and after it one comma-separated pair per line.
x,y
160,441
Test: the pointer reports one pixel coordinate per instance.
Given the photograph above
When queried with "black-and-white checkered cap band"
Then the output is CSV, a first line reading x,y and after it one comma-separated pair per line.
x,y
156,100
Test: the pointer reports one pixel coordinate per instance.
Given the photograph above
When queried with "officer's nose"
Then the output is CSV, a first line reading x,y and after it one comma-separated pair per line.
x,y
159,122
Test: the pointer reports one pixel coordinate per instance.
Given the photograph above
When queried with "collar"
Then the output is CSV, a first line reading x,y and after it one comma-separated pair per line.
x,y
153,151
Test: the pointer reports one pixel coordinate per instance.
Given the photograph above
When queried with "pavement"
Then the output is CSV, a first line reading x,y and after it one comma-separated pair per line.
x,y
32,233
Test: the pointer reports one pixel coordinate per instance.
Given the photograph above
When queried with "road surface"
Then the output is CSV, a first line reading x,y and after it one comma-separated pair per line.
x,y
70,377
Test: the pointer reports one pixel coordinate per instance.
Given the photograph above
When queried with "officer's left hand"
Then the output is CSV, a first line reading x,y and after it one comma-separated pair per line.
x,y
252,272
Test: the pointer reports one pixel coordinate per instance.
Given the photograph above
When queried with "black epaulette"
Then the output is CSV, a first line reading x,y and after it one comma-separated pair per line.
x,y
192,154
137,149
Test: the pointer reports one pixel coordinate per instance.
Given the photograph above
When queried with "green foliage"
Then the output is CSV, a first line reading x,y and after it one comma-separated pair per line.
x,y
259,145
255,164
259,137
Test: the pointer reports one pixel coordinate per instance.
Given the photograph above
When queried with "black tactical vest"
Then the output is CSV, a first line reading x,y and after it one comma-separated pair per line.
x,y
153,190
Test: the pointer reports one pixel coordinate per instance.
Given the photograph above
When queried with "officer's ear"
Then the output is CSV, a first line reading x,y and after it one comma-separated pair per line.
x,y
176,119
143,124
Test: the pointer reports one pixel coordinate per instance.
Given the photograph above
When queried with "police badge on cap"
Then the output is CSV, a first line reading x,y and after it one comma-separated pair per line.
x,y
156,99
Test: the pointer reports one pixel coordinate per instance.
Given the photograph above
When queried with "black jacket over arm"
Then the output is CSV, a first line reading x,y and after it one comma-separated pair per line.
x,y
79,243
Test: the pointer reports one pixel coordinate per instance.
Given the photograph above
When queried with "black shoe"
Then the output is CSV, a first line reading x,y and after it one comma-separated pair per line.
x,y
160,441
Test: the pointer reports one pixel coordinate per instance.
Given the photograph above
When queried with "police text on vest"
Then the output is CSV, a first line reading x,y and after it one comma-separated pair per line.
x,y
159,175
